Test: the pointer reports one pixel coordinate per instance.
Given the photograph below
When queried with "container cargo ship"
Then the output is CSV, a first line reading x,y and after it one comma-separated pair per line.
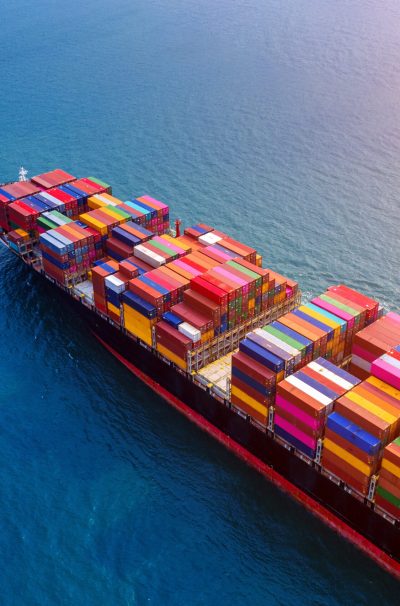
x,y
308,394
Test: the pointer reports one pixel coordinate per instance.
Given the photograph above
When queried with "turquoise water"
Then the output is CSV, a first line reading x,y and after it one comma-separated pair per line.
x,y
278,122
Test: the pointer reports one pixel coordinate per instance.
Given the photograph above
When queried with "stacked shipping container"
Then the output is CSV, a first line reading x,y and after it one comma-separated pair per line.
x,y
372,409
68,252
387,367
252,386
374,341
387,493
305,399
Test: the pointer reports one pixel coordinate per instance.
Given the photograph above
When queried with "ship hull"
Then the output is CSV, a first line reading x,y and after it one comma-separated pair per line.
x,y
352,518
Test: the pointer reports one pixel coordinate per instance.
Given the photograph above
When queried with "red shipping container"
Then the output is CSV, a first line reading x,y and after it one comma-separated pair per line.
x,y
193,317
202,286
254,369
53,178
366,420
363,456
250,391
255,414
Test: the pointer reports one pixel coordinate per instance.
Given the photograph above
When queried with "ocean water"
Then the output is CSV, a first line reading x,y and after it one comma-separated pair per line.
x,y
275,121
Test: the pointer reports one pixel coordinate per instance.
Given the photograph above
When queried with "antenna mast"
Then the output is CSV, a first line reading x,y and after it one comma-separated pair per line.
x,y
22,175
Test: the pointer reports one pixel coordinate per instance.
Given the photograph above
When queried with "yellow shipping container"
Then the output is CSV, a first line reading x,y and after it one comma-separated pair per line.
x,y
137,324
392,391
22,233
112,199
349,458
94,223
115,310
94,202
323,319
373,408
394,469
111,213
249,400
172,356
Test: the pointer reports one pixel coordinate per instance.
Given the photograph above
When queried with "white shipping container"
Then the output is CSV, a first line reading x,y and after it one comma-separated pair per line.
x,y
51,217
275,341
63,239
189,331
51,198
103,199
148,256
209,238
46,238
313,393
331,375
115,284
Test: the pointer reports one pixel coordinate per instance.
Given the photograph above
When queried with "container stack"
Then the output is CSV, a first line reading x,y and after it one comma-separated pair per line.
x,y
193,243
304,401
150,213
372,409
159,289
252,386
376,403
280,354
115,285
68,199
133,267
350,452
298,342
159,223
102,200
206,307
236,288
19,240
81,197
52,179
159,251
174,342
182,268
334,326
175,285
98,275
68,253
120,245
139,316
238,249
201,322
374,341
199,261
387,493
92,186
197,232
306,328
105,219
349,305
51,220
23,214
387,367
12,192
370,306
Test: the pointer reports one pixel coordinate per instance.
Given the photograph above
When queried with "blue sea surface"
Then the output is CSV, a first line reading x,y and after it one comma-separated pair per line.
x,y
278,122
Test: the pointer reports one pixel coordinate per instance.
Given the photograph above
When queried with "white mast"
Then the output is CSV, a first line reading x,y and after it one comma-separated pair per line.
x,y
22,175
